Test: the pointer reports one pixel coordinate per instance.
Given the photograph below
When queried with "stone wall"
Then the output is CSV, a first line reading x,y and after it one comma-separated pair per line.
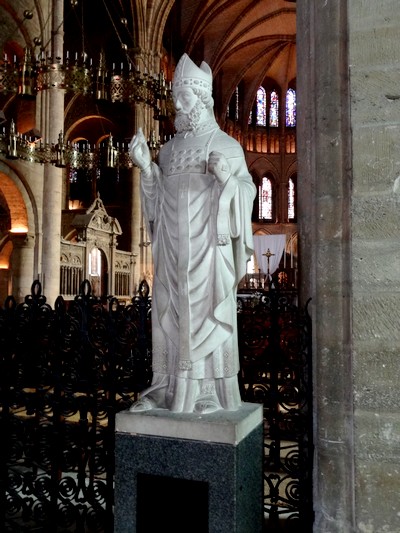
x,y
375,121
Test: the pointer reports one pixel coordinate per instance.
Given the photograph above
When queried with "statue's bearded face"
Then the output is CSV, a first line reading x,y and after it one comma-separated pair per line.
x,y
188,108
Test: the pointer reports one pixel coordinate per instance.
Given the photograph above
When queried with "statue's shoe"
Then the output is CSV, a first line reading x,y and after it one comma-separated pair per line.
x,y
144,404
206,406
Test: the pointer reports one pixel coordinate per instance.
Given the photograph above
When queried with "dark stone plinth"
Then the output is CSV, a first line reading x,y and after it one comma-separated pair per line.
x,y
175,483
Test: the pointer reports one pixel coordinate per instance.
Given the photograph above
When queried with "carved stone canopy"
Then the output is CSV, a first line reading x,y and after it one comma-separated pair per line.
x,y
97,220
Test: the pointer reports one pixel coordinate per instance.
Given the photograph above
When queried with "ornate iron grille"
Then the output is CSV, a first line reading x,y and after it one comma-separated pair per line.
x,y
275,351
64,374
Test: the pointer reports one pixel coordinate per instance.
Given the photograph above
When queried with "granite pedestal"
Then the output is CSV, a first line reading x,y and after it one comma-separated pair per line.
x,y
189,473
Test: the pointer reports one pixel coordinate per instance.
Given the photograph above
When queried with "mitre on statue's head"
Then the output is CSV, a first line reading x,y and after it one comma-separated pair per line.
x,y
188,74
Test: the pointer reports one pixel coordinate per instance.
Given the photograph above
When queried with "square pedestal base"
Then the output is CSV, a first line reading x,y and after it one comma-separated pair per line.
x,y
188,473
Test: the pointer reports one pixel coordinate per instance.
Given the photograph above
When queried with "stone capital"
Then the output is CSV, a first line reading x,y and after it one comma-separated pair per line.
x,y
22,240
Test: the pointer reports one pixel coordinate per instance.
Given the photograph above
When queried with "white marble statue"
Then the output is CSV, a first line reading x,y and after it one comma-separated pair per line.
x,y
197,202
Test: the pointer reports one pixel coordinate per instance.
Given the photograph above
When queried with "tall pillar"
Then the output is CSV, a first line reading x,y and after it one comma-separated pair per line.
x,y
136,213
325,222
143,118
52,189
111,266
22,264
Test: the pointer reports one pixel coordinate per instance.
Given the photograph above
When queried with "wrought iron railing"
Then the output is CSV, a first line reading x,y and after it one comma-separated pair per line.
x,y
65,373
275,351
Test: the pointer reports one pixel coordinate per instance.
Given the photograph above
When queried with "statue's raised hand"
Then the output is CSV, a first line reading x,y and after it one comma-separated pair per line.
x,y
139,151
219,166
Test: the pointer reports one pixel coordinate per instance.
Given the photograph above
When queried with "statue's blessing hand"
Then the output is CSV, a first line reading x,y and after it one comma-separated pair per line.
x,y
139,151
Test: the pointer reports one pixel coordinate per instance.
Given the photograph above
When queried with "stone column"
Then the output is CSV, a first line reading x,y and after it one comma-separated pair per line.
x,y
52,189
111,266
134,276
22,264
143,118
137,225
324,198
136,216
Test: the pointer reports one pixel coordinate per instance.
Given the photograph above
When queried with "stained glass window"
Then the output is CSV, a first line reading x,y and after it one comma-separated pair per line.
x,y
261,107
232,111
290,108
291,200
237,103
265,199
274,110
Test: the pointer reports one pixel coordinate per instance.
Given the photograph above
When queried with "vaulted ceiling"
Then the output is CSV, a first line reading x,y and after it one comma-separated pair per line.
x,y
244,41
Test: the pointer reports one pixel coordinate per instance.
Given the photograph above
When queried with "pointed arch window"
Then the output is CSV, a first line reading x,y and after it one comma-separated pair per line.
x,y
232,110
274,110
237,103
265,199
290,108
261,107
266,107
291,200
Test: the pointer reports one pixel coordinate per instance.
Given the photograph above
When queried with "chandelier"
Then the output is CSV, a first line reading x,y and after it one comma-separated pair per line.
x,y
16,146
80,77
127,84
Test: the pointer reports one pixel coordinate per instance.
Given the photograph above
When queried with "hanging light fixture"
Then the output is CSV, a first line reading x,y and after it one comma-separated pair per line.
x,y
127,85
16,146
76,74
60,152
27,76
110,153
12,152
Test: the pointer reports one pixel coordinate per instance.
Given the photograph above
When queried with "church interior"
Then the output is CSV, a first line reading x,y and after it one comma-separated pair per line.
x,y
294,83
118,78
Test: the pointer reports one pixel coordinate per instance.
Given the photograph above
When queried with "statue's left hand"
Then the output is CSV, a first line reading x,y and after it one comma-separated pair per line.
x,y
218,166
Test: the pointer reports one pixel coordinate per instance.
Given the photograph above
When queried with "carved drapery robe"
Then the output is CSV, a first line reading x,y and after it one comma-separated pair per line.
x,y
201,241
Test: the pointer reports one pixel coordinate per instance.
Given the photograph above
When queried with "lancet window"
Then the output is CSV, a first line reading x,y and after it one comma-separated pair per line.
x,y
274,110
290,108
266,107
232,110
265,205
261,107
291,200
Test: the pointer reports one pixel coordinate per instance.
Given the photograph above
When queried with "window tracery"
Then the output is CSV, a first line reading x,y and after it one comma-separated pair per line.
x,y
274,110
265,199
261,107
290,108
291,200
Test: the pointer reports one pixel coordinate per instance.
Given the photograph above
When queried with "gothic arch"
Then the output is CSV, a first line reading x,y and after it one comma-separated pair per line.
x,y
91,128
261,165
6,249
291,170
19,200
